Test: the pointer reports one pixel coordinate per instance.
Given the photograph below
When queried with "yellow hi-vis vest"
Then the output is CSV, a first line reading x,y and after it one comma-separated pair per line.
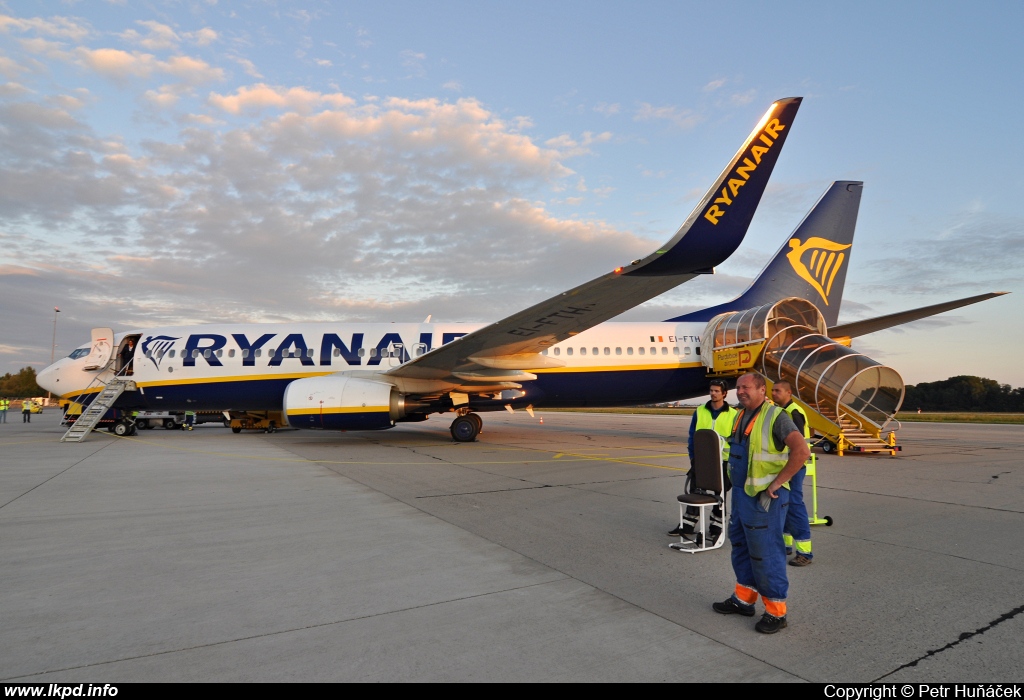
x,y
4,404
793,407
722,425
764,462
790,409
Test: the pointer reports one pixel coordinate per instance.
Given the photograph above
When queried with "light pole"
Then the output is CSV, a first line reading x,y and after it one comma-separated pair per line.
x,y
53,343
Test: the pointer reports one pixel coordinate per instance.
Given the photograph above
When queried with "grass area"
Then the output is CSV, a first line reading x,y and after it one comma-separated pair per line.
x,y
999,418
1005,418
628,410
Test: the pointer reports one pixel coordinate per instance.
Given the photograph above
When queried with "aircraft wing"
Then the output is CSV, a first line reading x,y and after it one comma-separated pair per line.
x,y
710,234
858,328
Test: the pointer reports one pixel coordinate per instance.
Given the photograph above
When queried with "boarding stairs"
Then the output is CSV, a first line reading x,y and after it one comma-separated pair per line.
x,y
850,400
98,408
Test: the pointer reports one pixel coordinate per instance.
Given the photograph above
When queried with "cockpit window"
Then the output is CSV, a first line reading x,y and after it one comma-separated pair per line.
x,y
79,352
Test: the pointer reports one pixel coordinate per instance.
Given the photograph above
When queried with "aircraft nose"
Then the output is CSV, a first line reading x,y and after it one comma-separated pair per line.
x,y
49,378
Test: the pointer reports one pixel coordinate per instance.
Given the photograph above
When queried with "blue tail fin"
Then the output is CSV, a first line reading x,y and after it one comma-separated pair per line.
x,y
811,264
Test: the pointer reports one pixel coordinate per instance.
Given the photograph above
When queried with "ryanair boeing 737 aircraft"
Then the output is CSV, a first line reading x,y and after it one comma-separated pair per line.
x,y
561,352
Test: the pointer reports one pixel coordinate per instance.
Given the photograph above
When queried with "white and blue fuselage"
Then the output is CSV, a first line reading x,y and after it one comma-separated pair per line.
x,y
246,367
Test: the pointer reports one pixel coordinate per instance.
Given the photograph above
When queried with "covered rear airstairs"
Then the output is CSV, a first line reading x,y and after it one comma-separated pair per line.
x,y
850,400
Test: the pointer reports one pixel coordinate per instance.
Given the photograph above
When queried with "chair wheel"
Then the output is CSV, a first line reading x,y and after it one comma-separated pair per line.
x,y
828,521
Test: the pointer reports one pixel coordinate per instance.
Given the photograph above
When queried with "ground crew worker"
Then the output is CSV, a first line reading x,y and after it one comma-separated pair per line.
x,y
190,420
797,531
715,415
765,450
26,411
4,405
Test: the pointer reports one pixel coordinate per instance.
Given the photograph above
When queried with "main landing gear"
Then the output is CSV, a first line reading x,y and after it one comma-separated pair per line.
x,y
466,427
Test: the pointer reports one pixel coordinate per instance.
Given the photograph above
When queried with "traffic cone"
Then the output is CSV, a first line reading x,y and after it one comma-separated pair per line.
x,y
542,420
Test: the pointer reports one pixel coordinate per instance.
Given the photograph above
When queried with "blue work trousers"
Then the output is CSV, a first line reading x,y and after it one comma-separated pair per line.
x,y
798,524
758,552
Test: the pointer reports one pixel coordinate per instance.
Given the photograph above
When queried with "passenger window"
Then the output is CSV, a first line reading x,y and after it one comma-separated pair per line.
x,y
309,353
664,349
618,351
654,351
640,350
568,351
231,352
373,352
172,353
206,354
597,350
583,351
220,353
259,352
675,349
687,349
697,350
558,351
245,352
607,351
544,351
362,352
629,351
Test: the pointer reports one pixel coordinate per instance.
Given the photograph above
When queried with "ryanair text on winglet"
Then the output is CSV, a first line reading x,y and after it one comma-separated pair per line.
x,y
742,173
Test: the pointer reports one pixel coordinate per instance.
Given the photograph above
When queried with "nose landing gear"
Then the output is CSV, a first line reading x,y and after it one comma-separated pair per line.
x,y
466,427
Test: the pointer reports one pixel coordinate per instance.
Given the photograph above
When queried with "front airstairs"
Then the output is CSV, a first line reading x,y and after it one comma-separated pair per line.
x,y
850,400
94,412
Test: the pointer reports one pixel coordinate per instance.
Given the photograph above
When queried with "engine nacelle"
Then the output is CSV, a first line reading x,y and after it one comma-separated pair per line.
x,y
341,403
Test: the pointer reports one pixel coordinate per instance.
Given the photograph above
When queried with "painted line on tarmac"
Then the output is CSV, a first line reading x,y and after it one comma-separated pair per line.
x,y
576,458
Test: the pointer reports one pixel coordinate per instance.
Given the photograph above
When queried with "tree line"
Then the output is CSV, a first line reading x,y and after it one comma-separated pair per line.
x,y
21,385
964,393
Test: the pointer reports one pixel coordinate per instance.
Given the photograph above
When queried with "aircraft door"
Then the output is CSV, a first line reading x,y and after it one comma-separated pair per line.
x,y
126,354
102,349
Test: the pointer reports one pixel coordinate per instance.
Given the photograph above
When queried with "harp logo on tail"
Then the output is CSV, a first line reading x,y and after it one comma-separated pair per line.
x,y
821,266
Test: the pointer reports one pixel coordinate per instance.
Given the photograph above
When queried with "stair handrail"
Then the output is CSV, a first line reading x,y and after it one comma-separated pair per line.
x,y
98,379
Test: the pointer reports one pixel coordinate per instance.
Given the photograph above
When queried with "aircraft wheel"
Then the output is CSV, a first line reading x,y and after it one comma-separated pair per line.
x,y
169,424
236,430
479,421
142,423
828,447
120,429
465,429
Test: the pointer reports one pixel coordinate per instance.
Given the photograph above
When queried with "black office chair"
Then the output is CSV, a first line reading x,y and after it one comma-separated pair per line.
x,y
706,490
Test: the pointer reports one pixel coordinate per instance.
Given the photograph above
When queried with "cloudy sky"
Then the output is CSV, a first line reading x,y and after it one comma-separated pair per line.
x,y
205,161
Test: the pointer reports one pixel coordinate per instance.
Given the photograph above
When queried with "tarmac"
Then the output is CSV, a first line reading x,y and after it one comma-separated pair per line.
x,y
537,553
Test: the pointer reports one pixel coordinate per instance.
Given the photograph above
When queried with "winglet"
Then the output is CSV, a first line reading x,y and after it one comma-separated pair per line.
x,y
716,227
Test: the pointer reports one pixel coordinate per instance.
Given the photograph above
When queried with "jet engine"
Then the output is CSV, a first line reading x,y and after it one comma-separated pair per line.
x,y
342,403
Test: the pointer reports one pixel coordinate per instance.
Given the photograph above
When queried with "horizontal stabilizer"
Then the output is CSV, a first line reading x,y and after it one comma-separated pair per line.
x,y
859,328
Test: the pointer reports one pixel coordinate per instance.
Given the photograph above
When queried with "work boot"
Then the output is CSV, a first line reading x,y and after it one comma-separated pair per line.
x,y
769,624
730,606
684,530
800,560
